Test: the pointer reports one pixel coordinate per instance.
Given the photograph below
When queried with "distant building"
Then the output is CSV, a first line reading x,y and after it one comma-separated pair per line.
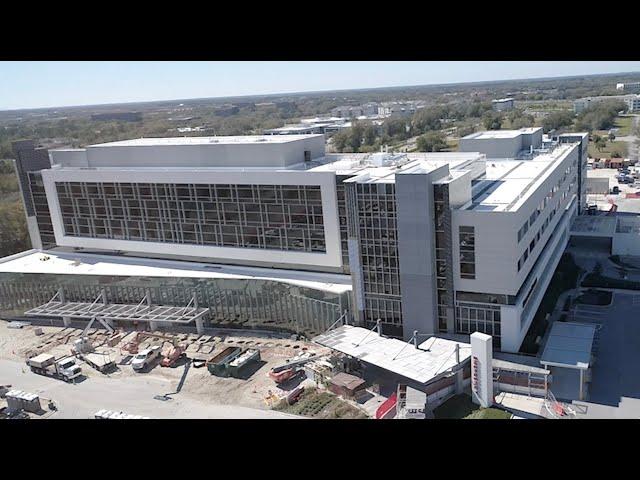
x,y
583,103
633,87
311,126
633,103
502,104
118,116
399,108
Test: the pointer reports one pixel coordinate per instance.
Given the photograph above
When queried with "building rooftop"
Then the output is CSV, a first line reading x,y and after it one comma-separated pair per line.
x,y
508,183
76,263
228,140
501,134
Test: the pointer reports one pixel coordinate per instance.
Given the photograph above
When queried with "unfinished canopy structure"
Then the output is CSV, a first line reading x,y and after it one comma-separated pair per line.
x,y
101,310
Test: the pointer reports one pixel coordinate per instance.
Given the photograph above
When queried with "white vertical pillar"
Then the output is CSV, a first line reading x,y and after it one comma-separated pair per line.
x,y
482,369
200,326
66,321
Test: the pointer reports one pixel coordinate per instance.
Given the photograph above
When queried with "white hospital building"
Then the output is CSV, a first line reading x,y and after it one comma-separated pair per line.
x,y
429,242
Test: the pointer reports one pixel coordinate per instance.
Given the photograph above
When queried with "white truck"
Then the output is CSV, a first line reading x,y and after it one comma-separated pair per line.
x,y
145,358
64,368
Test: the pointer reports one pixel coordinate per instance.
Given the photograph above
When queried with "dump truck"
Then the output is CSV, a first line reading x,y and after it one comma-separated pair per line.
x,y
239,363
218,364
47,365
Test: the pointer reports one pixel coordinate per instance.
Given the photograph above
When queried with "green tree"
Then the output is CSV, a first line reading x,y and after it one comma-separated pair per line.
x,y
431,142
14,236
370,134
519,119
492,120
339,141
556,120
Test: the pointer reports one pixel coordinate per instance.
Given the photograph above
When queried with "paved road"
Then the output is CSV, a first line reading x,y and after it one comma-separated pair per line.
x,y
132,395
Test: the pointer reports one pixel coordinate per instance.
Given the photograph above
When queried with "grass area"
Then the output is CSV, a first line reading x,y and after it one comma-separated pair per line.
x,y
564,278
608,150
461,406
595,297
321,404
624,125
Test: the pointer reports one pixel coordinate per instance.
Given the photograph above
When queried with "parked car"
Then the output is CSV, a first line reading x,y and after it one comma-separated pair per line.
x,y
145,358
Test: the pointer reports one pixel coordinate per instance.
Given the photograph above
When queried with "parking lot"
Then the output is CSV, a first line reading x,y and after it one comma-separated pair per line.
x,y
604,201
615,372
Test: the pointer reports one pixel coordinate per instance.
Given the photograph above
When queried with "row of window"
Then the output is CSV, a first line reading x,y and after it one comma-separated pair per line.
x,y
194,192
120,211
536,239
543,204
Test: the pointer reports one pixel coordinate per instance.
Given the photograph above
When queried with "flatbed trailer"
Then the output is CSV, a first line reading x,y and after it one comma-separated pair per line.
x,y
218,364
100,361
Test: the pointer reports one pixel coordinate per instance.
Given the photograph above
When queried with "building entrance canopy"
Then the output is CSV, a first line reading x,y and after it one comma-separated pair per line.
x,y
569,345
424,363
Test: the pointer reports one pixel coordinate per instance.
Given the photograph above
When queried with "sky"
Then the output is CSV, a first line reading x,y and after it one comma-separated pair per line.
x,y
54,84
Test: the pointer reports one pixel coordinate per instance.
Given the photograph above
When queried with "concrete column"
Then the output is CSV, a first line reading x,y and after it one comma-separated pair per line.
x,y
482,369
153,326
459,381
66,321
200,326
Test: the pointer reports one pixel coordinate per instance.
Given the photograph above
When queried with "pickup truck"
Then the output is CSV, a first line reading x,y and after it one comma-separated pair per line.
x,y
47,365
145,358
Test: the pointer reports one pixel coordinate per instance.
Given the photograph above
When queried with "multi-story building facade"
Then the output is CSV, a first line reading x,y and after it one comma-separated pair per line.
x,y
633,103
433,242
581,104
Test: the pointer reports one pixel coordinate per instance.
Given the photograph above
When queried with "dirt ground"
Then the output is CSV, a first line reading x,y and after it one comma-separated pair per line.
x,y
18,344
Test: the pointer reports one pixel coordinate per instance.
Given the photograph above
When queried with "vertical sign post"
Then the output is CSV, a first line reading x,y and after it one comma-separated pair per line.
x,y
482,369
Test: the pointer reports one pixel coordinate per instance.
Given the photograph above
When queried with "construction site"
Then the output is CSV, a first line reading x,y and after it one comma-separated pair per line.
x,y
255,375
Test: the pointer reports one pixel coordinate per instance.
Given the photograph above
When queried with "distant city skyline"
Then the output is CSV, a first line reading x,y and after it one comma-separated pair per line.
x,y
60,84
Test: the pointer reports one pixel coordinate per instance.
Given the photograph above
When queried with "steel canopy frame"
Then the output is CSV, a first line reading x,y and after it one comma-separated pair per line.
x,y
115,311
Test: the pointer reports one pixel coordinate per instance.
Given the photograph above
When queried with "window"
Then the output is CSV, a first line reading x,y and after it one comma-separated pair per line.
x,y
467,252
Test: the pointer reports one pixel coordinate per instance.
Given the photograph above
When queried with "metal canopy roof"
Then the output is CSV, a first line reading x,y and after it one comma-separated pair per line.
x,y
431,359
569,345
114,311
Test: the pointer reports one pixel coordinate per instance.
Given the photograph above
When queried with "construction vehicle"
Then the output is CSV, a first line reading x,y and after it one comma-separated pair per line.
x,y
217,365
287,371
239,363
177,352
145,358
47,365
